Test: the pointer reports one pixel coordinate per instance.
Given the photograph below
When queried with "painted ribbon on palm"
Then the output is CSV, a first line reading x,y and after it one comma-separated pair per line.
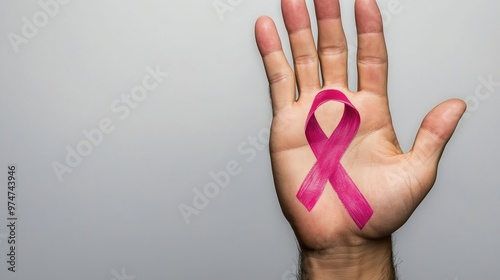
x,y
328,152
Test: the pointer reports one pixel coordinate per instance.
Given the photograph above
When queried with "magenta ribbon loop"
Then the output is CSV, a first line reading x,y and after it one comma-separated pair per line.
x,y
328,152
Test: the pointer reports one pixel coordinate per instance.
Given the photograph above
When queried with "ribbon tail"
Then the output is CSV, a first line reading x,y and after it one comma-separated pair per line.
x,y
353,200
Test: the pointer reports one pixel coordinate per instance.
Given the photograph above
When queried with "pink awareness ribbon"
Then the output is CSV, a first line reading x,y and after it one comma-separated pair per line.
x,y
328,152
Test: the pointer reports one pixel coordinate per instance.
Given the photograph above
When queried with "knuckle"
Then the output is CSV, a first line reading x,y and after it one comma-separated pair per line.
x,y
305,59
333,50
372,60
279,77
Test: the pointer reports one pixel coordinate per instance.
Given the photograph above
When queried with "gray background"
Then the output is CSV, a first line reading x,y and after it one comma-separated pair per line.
x,y
116,216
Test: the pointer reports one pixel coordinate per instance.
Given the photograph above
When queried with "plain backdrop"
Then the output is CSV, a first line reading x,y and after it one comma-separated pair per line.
x,y
115,214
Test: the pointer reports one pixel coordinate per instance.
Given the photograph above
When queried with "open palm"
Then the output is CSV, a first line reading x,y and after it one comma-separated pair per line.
x,y
393,182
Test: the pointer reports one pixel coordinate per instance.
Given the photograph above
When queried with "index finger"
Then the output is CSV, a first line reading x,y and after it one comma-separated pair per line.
x,y
279,73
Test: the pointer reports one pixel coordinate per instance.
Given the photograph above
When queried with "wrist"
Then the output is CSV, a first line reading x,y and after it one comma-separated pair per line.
x,y
371,260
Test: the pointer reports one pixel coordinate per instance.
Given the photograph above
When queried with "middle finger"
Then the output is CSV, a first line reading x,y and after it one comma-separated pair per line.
x,y
332,44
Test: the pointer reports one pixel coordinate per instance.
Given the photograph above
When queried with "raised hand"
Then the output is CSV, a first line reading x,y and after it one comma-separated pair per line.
x,y
393,182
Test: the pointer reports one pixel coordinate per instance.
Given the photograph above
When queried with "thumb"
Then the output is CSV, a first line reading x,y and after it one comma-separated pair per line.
x,y
436,129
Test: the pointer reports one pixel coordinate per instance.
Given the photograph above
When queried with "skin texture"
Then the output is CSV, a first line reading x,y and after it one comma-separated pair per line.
x,y
393,182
